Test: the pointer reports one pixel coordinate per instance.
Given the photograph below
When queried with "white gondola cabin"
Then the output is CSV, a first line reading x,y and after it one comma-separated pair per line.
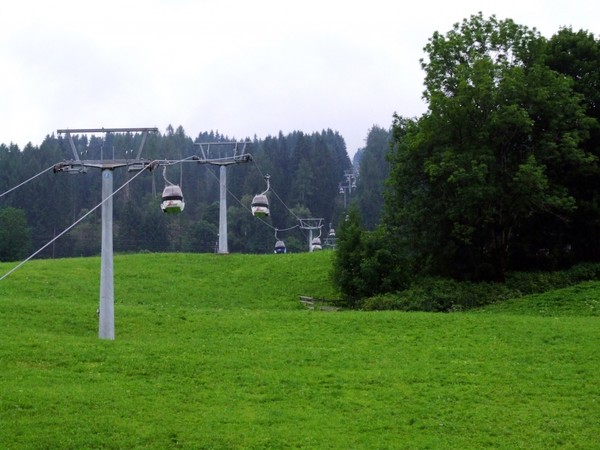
x,y
280,247
172,199
260,205
316,244
260,202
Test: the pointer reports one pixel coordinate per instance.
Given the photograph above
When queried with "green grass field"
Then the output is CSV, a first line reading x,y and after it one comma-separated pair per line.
x,y
216,352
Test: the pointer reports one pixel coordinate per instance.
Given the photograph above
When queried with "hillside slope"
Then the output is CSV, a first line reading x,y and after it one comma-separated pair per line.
x,y
216,351
199,280
580,300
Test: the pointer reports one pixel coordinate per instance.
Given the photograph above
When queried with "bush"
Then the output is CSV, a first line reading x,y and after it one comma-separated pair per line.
x,y
440,295
398,301
536,282
364,263
448,295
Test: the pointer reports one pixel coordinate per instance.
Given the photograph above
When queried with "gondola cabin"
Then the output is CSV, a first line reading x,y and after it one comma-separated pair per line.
x,y
280,247
316,244
260,206
172,200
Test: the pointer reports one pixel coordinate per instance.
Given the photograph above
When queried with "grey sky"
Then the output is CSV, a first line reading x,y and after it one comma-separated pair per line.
x,y
239,67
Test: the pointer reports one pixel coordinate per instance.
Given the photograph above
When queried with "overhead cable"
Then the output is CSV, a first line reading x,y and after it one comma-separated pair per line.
x,y
70,227
274,192
27,181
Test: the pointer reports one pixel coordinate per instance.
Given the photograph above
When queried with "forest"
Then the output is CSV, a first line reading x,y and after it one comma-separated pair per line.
x,y
305,174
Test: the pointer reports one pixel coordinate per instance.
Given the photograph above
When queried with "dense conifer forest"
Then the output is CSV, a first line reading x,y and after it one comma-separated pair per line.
x,y
305,175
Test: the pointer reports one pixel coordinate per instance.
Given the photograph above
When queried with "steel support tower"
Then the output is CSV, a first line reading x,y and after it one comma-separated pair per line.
x,y
237,157
310,225
347,185
106,310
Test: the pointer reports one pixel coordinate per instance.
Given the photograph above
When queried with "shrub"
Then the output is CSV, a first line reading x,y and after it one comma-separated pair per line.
x,y
447,295
536,282
440,295
364,263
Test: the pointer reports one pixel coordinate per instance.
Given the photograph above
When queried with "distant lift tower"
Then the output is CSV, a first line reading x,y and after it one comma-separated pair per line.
x,y
311,225
106,311
234,156
347,185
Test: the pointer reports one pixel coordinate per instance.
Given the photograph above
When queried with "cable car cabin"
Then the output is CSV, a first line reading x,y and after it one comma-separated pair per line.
x,y
331,233
172,200
280,247
260,206
316,244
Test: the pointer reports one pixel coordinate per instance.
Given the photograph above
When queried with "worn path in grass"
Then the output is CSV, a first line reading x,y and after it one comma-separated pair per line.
x,y
243,365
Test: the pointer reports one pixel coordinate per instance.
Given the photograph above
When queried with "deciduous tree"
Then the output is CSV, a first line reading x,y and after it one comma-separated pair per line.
x,y
501,131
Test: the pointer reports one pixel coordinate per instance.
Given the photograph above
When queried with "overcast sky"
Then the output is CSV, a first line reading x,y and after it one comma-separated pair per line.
x,y
242,67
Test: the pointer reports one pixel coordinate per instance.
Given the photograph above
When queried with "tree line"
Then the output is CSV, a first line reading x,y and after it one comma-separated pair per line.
x,y
500,174
305,171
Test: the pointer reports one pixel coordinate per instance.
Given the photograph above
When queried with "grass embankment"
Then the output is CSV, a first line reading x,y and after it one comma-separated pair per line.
x,y
216,352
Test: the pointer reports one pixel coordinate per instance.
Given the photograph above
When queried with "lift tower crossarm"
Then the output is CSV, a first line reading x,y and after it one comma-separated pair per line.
x,y
79,166
234,159
107,130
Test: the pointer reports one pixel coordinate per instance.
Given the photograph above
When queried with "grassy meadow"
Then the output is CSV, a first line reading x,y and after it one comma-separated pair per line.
x,y
216,352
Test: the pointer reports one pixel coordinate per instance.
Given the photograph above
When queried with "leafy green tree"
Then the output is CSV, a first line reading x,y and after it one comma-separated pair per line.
x,y
491,152
576,54
15,234
346,274
365,263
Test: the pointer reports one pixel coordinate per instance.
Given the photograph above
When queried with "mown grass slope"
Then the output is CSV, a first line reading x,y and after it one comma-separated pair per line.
x,y
580,300
216,352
